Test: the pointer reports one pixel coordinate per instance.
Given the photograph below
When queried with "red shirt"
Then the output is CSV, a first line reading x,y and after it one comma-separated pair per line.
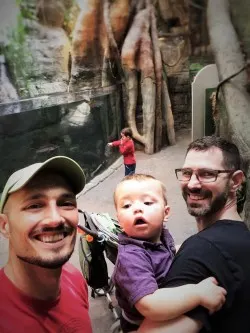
x,y
127,149
20,313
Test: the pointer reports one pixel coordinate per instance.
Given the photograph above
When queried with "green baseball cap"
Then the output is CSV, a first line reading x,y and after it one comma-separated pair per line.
x,y
64,165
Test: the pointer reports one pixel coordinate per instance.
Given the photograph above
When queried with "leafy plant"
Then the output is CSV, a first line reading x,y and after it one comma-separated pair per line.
x,y
19,58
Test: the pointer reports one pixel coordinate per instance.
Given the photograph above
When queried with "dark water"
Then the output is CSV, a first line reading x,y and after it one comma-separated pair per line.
x,y
78,130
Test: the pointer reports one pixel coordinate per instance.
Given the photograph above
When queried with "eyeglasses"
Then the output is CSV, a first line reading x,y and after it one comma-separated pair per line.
x,y
203,175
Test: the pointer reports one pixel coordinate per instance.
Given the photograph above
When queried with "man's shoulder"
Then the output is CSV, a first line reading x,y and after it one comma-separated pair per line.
x,y
192,241
225,227
72,279
196,246
1,273
219,230
223,237
69,271
5,282
222,232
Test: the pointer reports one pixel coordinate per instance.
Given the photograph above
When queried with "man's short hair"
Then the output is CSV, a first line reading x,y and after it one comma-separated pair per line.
x,y
65,166
231,155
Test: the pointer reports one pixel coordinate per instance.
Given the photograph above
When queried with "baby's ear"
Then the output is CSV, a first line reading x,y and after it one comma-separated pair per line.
x,y
4,225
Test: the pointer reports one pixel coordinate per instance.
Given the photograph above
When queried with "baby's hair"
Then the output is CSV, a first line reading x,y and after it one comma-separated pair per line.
x,y
140,177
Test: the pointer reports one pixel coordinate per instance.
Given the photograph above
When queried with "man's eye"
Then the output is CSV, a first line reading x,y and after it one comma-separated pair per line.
x,y
68,204
33,206
186,173
206,174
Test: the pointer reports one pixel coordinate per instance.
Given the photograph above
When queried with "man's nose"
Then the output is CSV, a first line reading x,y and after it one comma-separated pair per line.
x,y
53,216
194,181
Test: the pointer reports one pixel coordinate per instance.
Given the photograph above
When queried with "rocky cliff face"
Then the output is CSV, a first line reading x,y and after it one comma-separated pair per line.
x,y
39,118
8,93
38,49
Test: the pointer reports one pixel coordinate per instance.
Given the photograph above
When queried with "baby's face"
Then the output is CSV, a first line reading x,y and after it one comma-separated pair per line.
x,y
141,209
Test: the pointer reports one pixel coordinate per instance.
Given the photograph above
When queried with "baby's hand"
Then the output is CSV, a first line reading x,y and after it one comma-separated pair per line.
x,y
212,296
109,144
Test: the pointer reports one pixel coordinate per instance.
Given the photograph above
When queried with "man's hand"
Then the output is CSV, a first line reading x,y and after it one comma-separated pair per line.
x,y
109,144
212,296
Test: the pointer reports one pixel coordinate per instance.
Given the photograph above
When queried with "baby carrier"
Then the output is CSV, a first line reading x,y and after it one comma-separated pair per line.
x,y
98,241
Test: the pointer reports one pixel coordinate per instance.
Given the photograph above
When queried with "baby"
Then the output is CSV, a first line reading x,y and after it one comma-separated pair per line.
x,y
145,252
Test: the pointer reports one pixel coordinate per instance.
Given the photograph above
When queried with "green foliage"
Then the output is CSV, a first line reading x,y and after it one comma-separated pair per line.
x,y
195,67
19,58
27,9
68,17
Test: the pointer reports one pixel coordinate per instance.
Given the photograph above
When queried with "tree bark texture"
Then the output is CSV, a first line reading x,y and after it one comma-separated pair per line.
x,y
158,75
117,41
167,111
229,60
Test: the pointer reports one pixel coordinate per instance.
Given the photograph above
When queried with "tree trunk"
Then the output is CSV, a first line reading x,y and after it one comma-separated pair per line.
x,y
117,42
132,90
167,114
229,60
158,76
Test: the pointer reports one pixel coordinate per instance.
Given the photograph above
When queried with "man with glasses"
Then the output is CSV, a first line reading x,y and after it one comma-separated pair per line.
x,y
209,179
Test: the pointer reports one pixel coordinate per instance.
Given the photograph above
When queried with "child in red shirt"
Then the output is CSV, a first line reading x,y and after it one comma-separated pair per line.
x,y
127,149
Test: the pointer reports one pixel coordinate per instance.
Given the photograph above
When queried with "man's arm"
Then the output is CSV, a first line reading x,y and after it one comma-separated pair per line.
x,y
181,324
169,303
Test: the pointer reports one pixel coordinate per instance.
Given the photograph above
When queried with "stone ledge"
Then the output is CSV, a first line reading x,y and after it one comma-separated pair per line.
x,y
100,178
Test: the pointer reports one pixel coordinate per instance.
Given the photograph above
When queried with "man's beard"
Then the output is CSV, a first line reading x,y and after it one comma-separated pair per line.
x,y
47,263
51,263
196,209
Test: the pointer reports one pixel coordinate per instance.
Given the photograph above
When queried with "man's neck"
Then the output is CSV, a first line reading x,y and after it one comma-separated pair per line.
x,y
229,212
34,281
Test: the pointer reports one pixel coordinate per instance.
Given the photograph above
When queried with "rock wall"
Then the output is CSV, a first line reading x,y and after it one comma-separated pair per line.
x,y
175,49
180,93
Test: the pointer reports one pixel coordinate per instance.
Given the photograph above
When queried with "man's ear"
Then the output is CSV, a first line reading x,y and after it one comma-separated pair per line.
x,y
166,212
237,179
4,225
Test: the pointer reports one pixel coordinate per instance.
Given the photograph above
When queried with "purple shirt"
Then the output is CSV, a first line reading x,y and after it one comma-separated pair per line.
x,y
140,268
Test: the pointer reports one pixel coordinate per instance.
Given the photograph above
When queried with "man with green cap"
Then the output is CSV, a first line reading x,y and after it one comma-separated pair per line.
x,y
39,290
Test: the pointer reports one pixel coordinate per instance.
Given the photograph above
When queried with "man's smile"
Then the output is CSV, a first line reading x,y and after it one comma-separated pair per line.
x,y
51,238
49,235
196,197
